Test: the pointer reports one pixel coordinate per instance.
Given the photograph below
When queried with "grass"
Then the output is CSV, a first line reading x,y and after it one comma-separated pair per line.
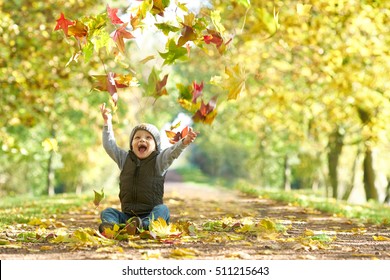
x,y
21,209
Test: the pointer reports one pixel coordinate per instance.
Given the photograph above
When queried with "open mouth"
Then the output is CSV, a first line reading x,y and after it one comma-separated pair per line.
x,y
142,148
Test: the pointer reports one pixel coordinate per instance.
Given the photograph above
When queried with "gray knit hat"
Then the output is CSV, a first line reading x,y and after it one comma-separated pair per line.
x,y
149,128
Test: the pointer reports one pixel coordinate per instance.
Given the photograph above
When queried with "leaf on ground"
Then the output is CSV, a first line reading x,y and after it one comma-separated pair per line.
x,y
380,238
162,229
184,253
110,249
4,241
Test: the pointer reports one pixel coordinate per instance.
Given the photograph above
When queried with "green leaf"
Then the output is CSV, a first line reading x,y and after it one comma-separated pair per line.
x,y
98,198
216,19
174,52
166,28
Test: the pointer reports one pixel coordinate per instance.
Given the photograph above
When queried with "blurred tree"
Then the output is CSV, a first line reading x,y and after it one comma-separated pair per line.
x,y
311,67
44,105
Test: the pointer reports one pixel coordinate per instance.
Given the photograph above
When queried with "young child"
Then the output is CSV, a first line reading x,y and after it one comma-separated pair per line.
x,y
141,181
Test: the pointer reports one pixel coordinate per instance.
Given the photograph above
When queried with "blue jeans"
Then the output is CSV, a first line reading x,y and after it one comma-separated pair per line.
x,y
115,216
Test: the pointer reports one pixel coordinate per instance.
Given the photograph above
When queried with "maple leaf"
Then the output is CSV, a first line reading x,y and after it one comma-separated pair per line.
x,y
174,52
162,229
197,91
187,32
98,198
166,28
160,87
63,23
78,30
235,83
112,15
159,7
156,86
119,34
175,137
213,37
206,113
106,83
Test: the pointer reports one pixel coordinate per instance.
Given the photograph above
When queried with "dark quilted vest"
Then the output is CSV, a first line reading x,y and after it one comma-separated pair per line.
x,y
140,187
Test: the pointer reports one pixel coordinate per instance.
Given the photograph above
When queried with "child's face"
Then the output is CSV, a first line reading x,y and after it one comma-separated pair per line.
x,y
143,144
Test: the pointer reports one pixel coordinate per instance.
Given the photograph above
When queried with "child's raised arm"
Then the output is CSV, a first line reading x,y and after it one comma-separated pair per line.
x,y
106,114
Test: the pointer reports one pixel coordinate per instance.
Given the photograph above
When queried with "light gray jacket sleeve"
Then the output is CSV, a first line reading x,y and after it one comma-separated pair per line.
x,y
167,156
117,154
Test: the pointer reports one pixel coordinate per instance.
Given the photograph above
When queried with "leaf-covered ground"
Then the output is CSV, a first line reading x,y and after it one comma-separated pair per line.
x,y
207,223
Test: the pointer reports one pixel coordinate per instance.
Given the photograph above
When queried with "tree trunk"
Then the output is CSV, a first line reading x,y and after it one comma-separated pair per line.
x,y
335,148
349,189
286,175
369,175
387,198
50,175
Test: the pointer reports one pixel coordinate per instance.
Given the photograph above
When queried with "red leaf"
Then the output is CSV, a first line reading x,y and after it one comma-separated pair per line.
x,y
160,86
214,38
112,15
197,91
206,113
63,23
119,34
107,83
175,137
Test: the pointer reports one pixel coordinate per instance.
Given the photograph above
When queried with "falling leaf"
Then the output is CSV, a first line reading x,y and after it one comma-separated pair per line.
x,y
166,28
119,34
173,53
175,137
50,144
98,198
78,30
148,58
303,9
197,91
206,113
174,126
63,23
235,83
112,15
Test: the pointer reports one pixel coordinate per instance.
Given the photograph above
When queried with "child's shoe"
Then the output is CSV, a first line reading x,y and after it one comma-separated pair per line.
x,y
104,225
132,226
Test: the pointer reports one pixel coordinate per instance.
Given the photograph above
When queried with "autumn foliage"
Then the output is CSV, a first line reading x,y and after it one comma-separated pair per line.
x,y
115,28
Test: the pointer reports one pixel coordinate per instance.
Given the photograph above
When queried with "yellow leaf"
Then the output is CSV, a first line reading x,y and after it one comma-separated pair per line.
x,y
303,9
46,248
235,82
381,238
50,144
184,253
162,229
4,242
309,232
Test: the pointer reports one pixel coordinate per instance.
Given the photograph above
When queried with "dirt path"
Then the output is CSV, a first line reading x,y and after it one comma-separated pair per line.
x,y
228,227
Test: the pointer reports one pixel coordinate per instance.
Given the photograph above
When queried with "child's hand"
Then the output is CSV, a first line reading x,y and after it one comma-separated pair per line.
x,y
190,137
106,113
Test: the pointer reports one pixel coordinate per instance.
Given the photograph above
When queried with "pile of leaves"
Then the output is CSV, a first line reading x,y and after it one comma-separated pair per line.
x,y
108,35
